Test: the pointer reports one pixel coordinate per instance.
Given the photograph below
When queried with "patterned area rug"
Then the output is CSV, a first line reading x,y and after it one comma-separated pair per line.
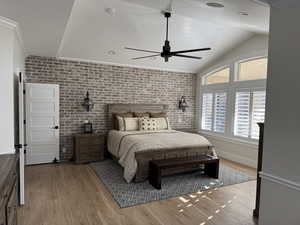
x,y
127,195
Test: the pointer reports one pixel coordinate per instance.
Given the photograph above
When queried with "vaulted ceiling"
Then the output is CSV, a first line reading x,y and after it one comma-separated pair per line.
x,y
82,29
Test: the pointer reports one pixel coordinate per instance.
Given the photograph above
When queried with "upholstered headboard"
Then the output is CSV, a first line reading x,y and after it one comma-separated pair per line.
x,y
122,108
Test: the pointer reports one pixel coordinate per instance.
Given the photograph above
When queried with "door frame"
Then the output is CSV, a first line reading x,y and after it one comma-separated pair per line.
x,y
22,144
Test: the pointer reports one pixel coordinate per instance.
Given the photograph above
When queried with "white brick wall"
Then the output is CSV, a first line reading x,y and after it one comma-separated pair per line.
x,y
109,84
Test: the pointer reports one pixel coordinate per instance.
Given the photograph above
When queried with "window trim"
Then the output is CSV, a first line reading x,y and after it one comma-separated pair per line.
x,y
251,90
230,89
203,78
237,68
213,92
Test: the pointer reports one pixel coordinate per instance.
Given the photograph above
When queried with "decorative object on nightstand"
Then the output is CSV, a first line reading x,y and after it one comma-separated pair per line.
x,y
183,104
87,127
88,103
89,147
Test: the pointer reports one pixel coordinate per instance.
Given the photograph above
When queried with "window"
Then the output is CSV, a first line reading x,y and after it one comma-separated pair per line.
x,y
249,110
258,112
242,114
214,112
253,69
220,112
221,76
233,99
207,112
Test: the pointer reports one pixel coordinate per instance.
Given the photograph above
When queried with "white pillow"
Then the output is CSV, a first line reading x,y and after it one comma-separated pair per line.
x,y
128,123
148,124
163,123
131,124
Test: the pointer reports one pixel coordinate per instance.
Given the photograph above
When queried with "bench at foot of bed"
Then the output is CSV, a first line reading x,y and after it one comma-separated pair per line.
x,y
157,167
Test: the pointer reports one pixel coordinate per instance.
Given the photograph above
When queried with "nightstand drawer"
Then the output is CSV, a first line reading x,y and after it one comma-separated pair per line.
x,y
91,156
91,148
90,141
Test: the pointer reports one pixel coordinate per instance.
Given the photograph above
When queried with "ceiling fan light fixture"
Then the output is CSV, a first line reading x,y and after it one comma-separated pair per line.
x,y
215,5
166,50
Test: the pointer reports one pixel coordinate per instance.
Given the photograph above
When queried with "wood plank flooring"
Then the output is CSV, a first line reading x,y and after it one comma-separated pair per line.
x,y
68,194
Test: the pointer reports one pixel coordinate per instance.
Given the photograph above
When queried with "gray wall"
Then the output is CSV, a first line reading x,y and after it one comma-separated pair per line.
x,y
280,201
109,84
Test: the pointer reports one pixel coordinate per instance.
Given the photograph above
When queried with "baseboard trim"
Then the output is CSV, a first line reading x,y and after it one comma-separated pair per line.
x,y
8,152
237,158
279,180
236,141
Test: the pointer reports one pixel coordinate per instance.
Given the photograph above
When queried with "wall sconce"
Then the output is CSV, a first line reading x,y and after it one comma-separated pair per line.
x,y
87,103
183,104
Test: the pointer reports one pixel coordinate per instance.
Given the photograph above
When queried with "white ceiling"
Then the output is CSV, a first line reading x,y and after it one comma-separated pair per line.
x,y
91,33
42,22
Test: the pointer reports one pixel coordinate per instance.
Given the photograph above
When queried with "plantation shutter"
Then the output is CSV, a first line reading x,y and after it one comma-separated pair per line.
x,y
242,114
220,112
258,112
207,111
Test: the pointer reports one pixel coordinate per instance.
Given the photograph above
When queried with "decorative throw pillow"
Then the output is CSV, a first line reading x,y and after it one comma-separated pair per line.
x,y
162,123
120,123
158,115
123,115
148,124
144,115
131,124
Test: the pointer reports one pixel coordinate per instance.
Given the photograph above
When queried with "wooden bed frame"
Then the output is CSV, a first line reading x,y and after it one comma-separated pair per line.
x,y
143,158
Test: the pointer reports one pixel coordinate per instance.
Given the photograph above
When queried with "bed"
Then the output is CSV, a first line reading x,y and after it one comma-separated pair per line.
x,y
134,149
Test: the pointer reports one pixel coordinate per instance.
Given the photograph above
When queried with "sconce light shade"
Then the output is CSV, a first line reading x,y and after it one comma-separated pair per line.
x,y
87,103
183,104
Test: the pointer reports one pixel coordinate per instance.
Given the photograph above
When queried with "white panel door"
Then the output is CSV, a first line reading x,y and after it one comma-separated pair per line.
x,y
42,123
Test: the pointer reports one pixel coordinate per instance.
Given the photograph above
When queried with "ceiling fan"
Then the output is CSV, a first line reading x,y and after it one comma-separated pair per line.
x,y
167,53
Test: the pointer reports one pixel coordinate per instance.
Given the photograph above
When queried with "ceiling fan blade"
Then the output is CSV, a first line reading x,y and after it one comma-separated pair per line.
x,y
192,50
188,56
141,50
144,57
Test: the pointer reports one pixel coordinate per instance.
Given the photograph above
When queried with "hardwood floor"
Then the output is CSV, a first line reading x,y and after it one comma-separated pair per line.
x,y
68,194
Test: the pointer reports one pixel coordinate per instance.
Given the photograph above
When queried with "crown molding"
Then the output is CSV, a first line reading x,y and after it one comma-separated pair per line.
x,y
124,65
13,25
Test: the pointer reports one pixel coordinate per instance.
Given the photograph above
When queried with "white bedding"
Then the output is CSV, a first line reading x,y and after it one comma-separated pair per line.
x,y
124,144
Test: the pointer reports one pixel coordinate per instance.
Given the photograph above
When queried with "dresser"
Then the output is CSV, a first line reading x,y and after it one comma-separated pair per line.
x,y
89,148
8,190
259,168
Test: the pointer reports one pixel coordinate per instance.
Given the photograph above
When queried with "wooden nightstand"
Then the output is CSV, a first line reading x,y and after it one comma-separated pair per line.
x,y
89,148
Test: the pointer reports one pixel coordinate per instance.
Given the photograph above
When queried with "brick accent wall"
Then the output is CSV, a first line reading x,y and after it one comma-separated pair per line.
x,y
109,84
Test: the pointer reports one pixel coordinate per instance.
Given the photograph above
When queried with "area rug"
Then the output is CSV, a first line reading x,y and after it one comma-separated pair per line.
x,y
127,195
